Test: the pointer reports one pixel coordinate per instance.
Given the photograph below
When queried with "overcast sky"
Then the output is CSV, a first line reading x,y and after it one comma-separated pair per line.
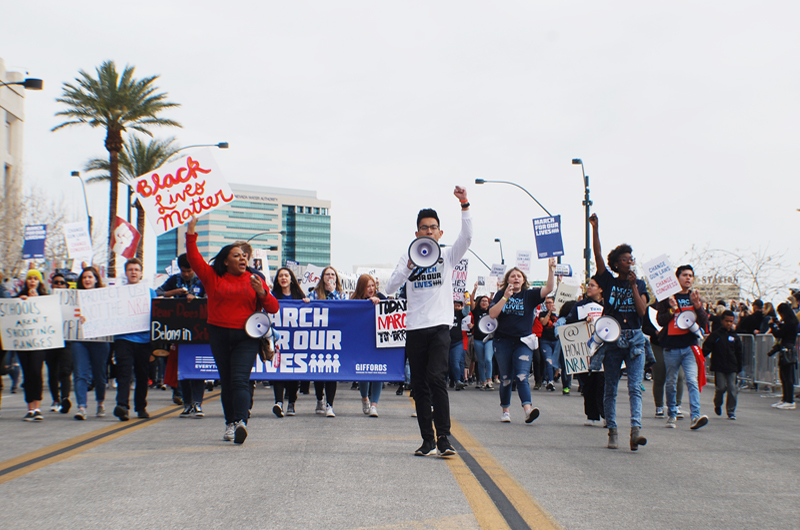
x,y
685,113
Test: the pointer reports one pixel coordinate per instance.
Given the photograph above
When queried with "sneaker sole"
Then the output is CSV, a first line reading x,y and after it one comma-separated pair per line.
x,y
277,411
121,413
448,452
239,435
433,452
700,422
532,416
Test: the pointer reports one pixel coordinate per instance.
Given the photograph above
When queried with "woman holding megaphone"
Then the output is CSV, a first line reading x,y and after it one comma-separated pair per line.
x,y
513,307
233,295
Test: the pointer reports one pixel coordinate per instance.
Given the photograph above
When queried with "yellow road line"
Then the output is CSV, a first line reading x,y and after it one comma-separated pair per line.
x,y
486,513
79,444
528,508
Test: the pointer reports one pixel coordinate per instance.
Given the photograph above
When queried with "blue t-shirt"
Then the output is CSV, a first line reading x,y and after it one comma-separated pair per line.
x,y
618,299
516,318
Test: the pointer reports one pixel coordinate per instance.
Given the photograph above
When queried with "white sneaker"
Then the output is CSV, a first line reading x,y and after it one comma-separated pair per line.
x,y
373,411
593,423
55,407
239,432
778,404
320,407
230,429
787,406
506,417
365,408
329,411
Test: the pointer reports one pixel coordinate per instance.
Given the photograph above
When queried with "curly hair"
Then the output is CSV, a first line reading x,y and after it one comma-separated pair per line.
x,y
614,255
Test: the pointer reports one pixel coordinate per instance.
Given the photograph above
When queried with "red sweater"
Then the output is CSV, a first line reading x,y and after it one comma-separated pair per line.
x,y
231,299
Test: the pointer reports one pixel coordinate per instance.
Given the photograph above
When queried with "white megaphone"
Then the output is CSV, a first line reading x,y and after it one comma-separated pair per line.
x,y
424,252
688,320
258,325
606,329
487,324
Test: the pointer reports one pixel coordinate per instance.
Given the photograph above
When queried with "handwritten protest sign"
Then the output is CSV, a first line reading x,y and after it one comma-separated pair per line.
x,y
573,344
70,317
179,320
32,324
390,324
524,260
115,310
460,279
565,293
498,270
310,277
547,231
79,244
661,277
173,193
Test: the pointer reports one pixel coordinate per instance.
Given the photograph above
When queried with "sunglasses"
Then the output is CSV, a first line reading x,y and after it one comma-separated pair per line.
x,y
59,282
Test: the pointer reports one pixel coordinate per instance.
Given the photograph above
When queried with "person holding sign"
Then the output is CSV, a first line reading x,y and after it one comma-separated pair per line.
x,y
429,293
90,358
59,363
286,288
513,307
370,390
233,295
625,299
329,287
32,362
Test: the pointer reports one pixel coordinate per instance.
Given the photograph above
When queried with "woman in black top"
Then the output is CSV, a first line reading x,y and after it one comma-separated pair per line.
x,y
286,288
32,362
482,364
786,333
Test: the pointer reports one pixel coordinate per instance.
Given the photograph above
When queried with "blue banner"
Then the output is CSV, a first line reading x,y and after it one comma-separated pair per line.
x,y
547,231
324,340
35,237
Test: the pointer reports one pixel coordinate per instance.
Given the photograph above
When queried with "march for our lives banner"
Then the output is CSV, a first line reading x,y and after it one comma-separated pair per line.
x,y
547,231
318,341
35,238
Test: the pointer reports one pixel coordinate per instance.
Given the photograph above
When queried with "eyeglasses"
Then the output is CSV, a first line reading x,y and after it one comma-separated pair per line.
x,y
425,228
59,282
628,260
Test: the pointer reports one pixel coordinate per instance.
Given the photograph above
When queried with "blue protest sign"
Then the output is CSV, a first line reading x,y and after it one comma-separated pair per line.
x,y
35,237
324,340
547,231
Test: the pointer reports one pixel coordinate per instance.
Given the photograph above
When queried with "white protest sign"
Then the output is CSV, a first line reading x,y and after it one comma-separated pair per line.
x,y
592,309
573,339
79,244
190,186
565,293
311,277
524,258
32,324
483,289
661,277
460,279
70,316
497,270
390,323
115,310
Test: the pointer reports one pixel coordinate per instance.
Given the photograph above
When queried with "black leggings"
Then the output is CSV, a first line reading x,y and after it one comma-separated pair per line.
x,y
59,372
787,381
32,363
329,387
287,389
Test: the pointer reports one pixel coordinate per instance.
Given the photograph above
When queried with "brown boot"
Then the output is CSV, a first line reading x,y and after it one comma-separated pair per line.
x,y
612,439
637,439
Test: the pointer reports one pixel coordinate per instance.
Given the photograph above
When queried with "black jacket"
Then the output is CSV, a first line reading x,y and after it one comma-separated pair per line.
x,y
725,348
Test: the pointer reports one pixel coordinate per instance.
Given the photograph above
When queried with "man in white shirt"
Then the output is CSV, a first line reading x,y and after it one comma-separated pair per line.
x,y
428,319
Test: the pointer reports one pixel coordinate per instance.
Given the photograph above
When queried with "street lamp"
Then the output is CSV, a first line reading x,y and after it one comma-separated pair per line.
x,y
587,205
473,253
502,259
85,200
282,232
221,145
29,84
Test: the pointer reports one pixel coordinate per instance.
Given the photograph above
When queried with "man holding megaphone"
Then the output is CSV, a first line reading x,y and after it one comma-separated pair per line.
x,y
427,276
679,341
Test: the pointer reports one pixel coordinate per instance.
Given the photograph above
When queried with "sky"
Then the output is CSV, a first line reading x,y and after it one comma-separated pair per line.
x,y
685,114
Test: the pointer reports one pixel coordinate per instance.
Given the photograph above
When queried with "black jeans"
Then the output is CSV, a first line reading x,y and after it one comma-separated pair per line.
x,y
329,388
192,391
32,363
287,388
133,358
428,352
59,372
593,385
786,371
235,354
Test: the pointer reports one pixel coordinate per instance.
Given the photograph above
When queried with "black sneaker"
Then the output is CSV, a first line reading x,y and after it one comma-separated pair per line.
x,y
143,414
461,385
718,411
65,405
277,409
290,409
534,413
240,432
121,413
699,422
443,444
428,448
187,412
28,416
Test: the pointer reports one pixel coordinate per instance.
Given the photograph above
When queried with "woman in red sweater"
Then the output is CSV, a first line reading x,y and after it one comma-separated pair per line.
x,y
233,295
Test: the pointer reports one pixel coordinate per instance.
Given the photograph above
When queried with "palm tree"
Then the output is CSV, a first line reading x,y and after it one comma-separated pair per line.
x,y
136,159
117,103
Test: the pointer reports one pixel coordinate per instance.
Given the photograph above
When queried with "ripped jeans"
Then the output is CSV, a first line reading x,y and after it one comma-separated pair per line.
x,y
514,361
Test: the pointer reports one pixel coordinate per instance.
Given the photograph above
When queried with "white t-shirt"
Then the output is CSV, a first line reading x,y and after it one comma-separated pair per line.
x,y
430,292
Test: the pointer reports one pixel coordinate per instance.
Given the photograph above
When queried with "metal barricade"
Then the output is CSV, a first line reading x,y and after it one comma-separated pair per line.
x,y
748,359
765,368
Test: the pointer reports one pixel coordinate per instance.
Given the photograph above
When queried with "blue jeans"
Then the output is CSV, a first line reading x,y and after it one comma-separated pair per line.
x,y
550,352
633,355
371,390
457,361
235,354
480,361
513,357
89,361
674,359
489,350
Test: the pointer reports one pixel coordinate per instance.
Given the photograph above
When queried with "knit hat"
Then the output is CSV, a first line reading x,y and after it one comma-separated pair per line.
x,y
37,274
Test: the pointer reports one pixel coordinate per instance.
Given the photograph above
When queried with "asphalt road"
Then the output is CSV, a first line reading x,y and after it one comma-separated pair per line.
x,y
353,471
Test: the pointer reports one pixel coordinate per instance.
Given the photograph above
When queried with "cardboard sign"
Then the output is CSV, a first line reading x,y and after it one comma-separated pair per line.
x,y
573,339
191,186
524,258
498,270
565,293
390,324
79,244
70,317
179,320
661,277
35,238
547,231
32,324
460,279
115,310
125,238
310,277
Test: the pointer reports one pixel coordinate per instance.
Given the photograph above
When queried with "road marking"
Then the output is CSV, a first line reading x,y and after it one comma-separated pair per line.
x,y
484,509
500,485
22,465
